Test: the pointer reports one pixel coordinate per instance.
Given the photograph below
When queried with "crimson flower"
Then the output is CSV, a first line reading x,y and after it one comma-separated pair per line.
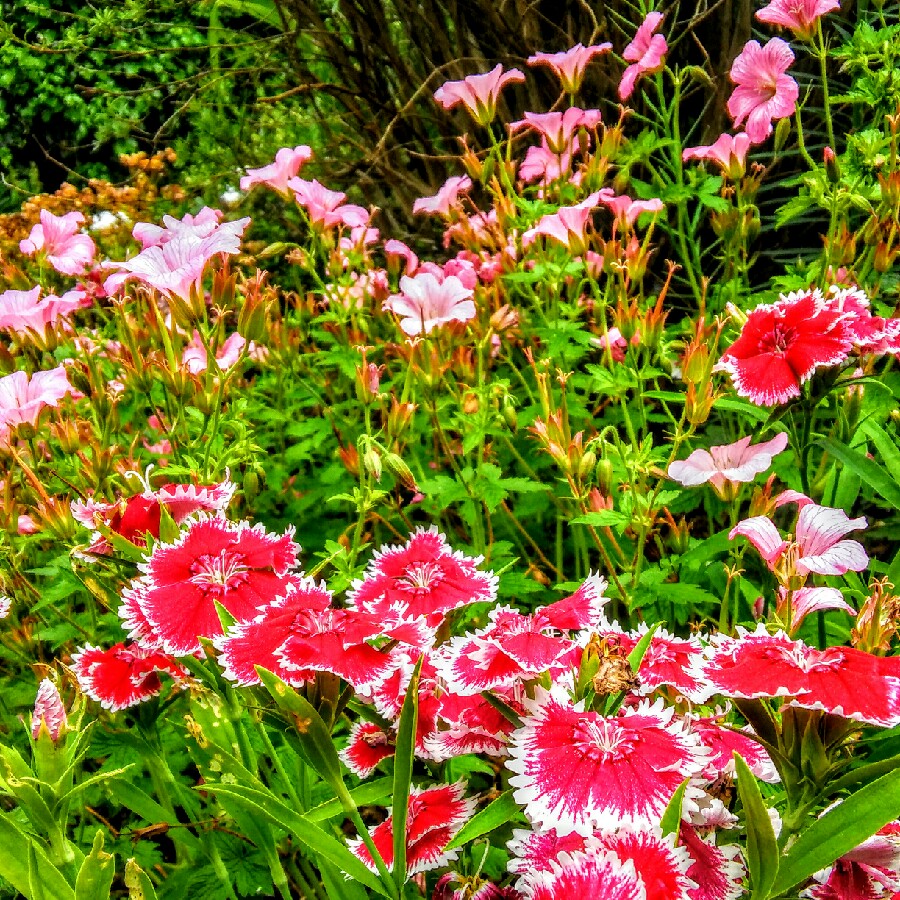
x,y
722,743
763,91
241,566
569,65
57,237
800,16
645,53
478,93
594,873
782,345
716,870
367,746
288,162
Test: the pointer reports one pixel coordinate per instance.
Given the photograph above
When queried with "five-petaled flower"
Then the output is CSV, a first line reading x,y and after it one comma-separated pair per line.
x,y
569,65
800,16
478,93
645,53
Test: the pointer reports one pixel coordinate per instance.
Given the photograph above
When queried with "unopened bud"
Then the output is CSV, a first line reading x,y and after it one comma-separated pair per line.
x,y
586,465
49,713
372,463
832,166
398,467
605,476
782,131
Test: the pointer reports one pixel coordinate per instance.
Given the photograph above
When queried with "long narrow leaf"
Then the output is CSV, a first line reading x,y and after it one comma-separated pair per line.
x,y
498,812
762,847
14,853
403,765
871,472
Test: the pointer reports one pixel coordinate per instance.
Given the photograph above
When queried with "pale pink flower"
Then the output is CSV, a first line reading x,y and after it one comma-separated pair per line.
x,y
325,207
729,151
202,225
5,605
22,398
569,65
288,162
800,16
763,91
625,209
645,54
542,163
808,600
446,198
25,524
425,303
558,128
49,713
567,225
69,252
21,311
478,93
395,251
737,462
195,359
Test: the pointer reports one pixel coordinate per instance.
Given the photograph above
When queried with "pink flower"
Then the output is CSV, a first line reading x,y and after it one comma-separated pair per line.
x,y
478,93
737,462
327,208
627,210
202,225
817,546
434,815
870,334
423,577
288,163
542,163
763,91
242,567
395,251
122,676
445,199
722,743
715,869
870,870
594,873
5,605
578,770
425,303
22,399
729,152
558,128
49,713
567,225
23,311
569,65
69,252
808,600
195,360
800,16
645,53
782,345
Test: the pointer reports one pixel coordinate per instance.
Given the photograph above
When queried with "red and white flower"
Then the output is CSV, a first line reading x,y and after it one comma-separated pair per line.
x,y
367,746
49,712
593,873
717,871
870,870
722,743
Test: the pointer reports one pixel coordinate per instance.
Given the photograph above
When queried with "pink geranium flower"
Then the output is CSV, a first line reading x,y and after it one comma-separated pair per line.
x,y
288,162
423,577
242,567
732,463
445,199
800,16
578,770
729,152
569,65
627,210
425,303
24,311
763,91
396,251
434,815
645,53
202,225
49,712
327,208
478,93
593,873
122,676
57,237
542,163
808,600
559,128
23,398
782,345
195,359
567,225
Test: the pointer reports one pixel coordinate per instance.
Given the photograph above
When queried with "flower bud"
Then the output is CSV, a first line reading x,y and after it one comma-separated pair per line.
x,y
372,463
586,465
782,132
49,714
832,166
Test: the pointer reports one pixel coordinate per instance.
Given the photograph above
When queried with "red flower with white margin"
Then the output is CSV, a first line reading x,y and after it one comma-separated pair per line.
x,y
870,334
817,545
434,815
716,870
722,743
598,874
257,642
423,577
661,867
49,712
578,611
241,566
782,345
839,680
645,53
122,676
763,91
569,65
866,872
367,746
578,770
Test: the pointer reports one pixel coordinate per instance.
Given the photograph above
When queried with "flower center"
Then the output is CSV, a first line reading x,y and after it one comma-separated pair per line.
x,y
779,341
421,577
808,660
218,573
602,740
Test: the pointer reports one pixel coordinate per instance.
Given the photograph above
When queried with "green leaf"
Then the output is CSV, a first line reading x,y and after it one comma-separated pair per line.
x,y
367,794
498,812
762,847
671,819
95,877
139,885
605,518
15,850
403,765
840,830
870,471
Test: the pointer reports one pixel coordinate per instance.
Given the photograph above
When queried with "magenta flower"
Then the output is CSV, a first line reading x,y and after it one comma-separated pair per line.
x,y
645,53
22,399
763,91
569,65
722,743
558,128
578,770
23,311
567,225
49,713
446,198
478,93
716,869
731,463
800,16
57,237
288,163
425,303
729,152
325,207
367,745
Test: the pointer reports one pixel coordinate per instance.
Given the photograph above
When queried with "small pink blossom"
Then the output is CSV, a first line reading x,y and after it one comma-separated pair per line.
x,y
396,251
201,225
763,91
567,225
627,210
808,600
22,398
478,93
57,237
541,163
288,162
445,199
24,311
327,208
425,303
195,358
559,128
734,463
729,152
569,65
800,16
49,713
645,53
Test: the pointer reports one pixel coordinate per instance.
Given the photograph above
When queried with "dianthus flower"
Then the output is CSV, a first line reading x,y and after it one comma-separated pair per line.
x,y
729,152
763,91
367,745
569,65
800,16
425,302
870,870
58,238
782,345
288,162
715,869
592,873
645,53
478,93
49,712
